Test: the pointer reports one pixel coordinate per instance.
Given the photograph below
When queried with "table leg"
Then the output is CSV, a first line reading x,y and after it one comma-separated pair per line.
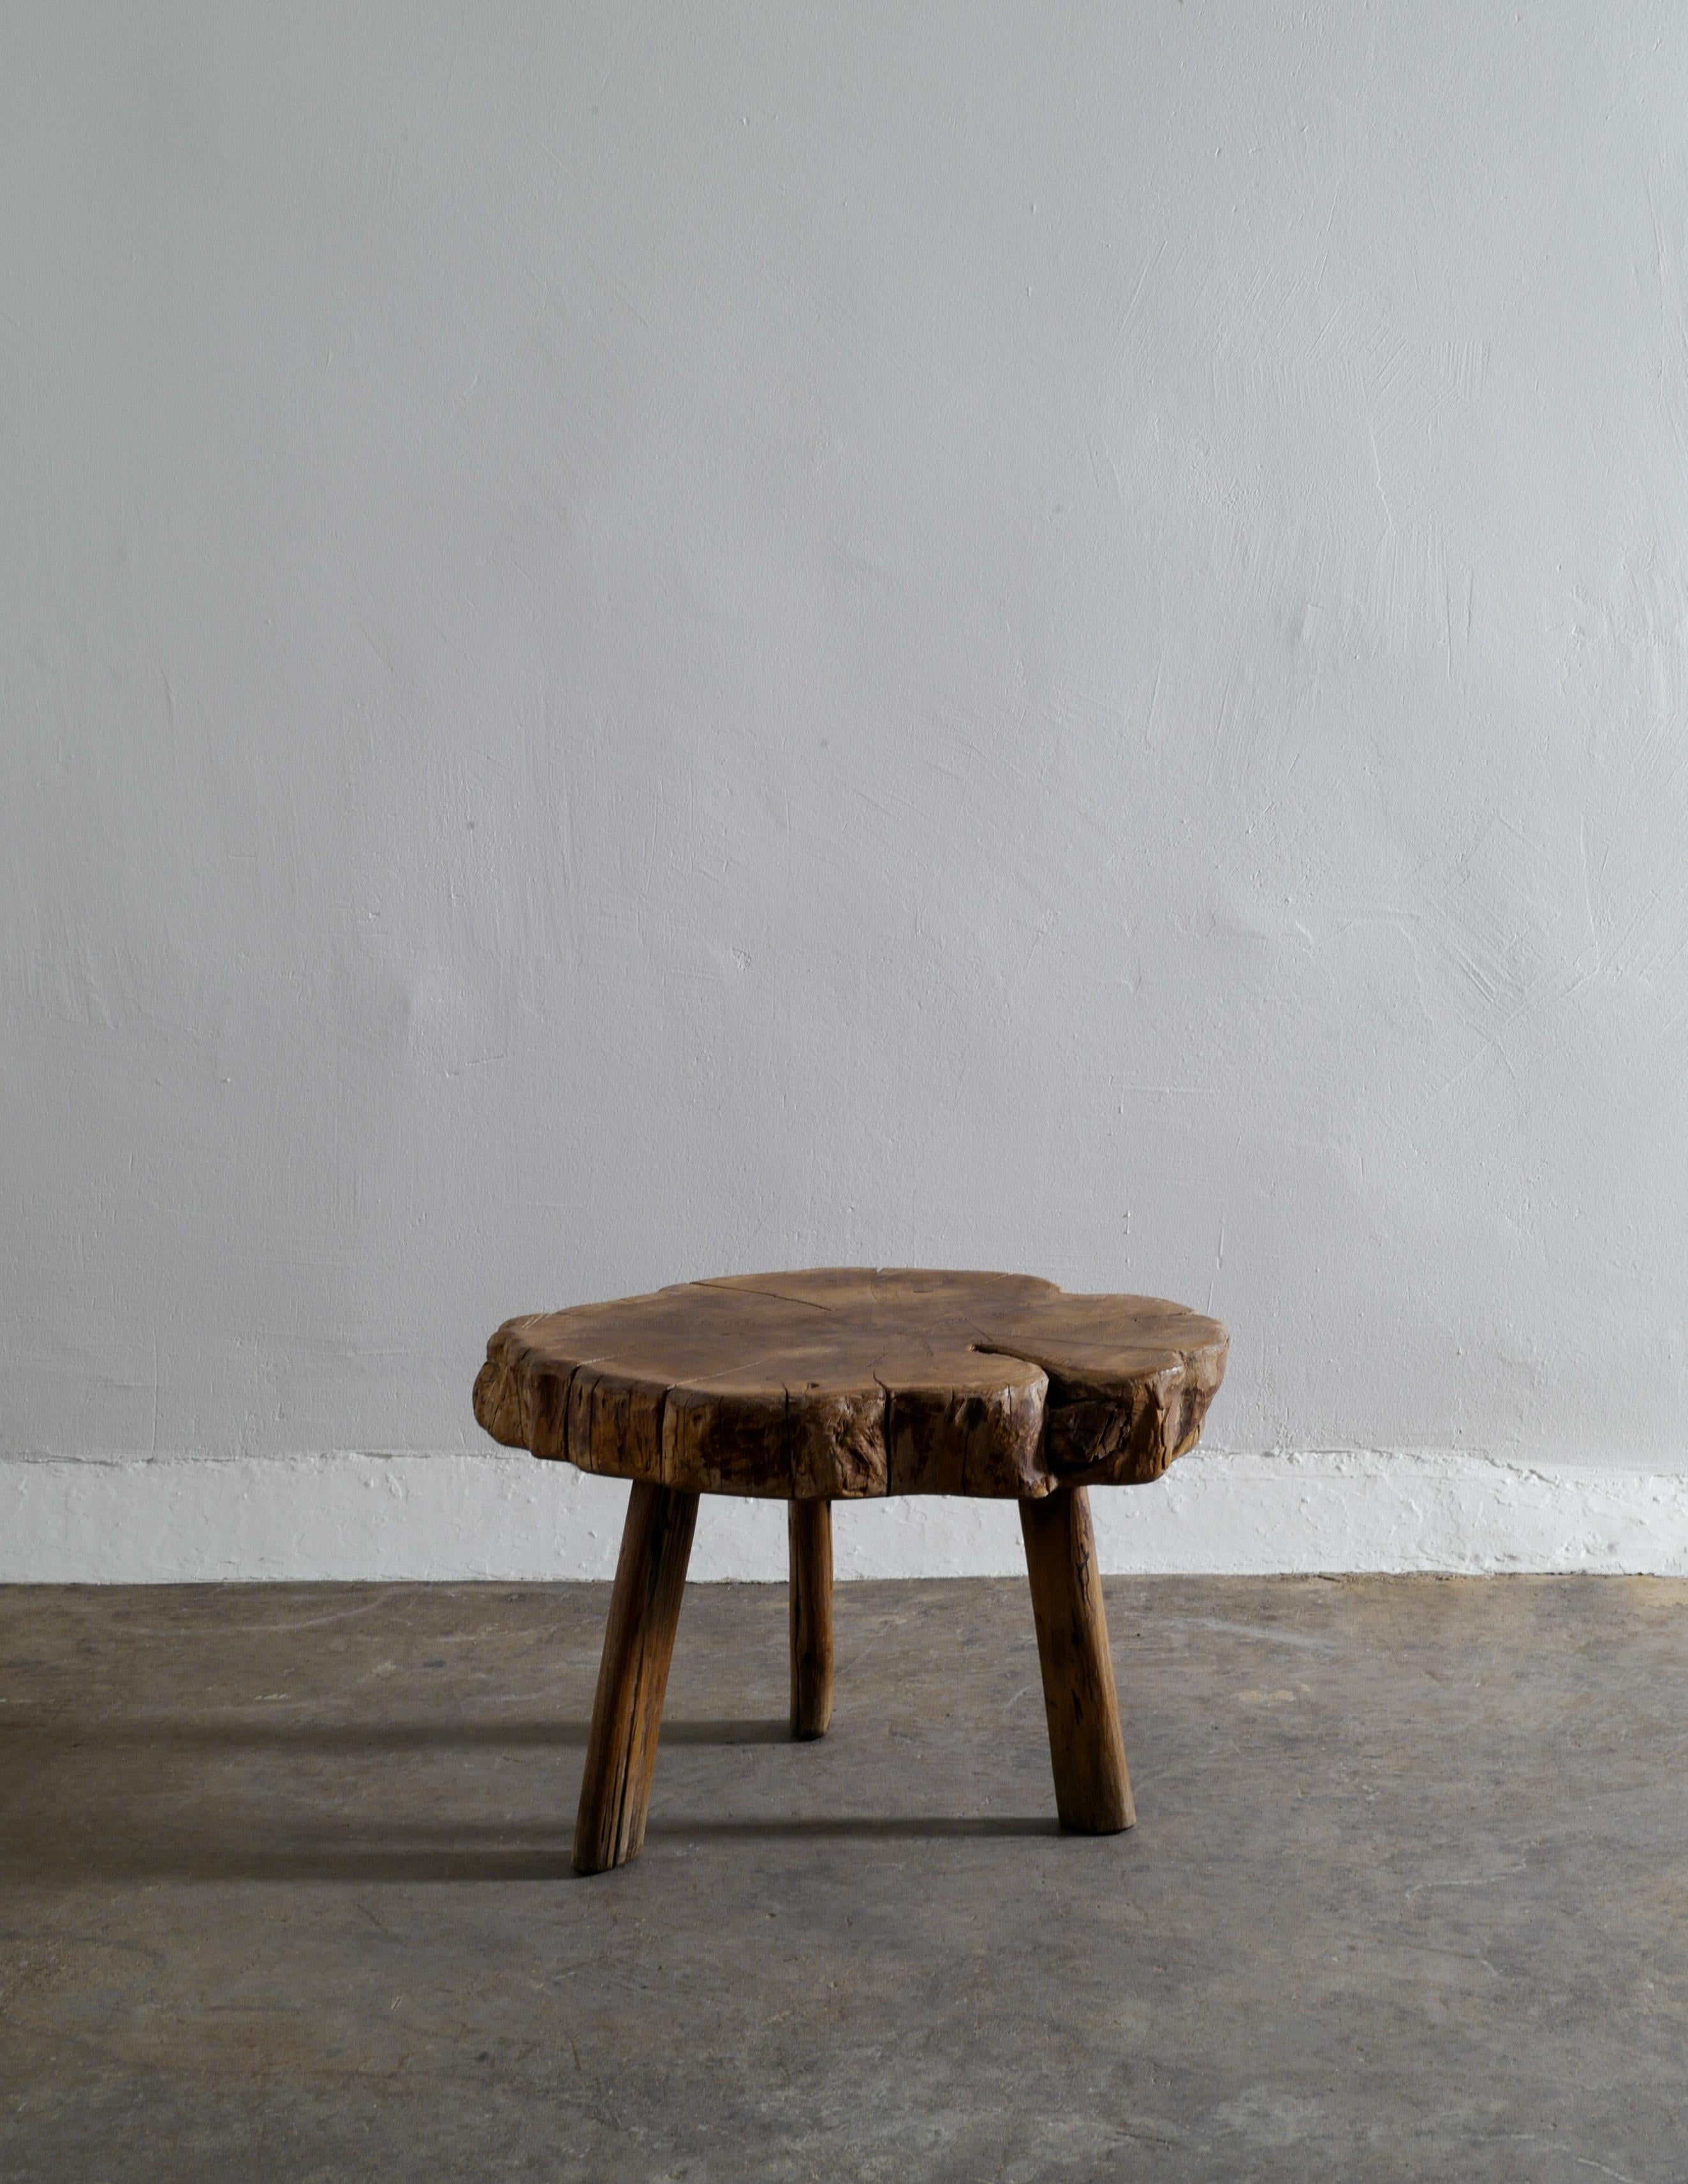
x,y
809,1528
639,1644
1092,1788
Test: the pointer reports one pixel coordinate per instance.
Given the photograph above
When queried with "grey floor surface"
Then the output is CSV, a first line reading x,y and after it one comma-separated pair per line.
x,y
285,1890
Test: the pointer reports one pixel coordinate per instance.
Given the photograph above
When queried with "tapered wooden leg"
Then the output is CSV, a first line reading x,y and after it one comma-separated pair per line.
x,y
1092,1789
810,1525
627,1714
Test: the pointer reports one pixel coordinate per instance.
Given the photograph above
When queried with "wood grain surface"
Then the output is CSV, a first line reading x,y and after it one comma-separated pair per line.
x,y
633,1676
809,1525
1087,1750
842,1382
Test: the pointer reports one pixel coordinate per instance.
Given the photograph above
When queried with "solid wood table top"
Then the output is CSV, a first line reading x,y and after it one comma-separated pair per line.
x,y
842,1382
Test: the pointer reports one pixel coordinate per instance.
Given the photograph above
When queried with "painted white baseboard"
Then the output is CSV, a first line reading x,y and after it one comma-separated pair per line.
x,y
176,1520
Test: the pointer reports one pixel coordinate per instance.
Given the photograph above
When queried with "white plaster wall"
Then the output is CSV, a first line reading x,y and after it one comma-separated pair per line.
x,y
640,641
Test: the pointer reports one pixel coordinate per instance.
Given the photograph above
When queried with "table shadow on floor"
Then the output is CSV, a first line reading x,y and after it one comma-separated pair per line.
x,y
177,1733
78,1821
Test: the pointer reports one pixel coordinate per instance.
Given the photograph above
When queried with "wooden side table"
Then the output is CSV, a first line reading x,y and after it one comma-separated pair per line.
x,y
837,1384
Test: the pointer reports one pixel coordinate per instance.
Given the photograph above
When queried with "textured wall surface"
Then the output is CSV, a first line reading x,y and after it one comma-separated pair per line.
x,y
637,642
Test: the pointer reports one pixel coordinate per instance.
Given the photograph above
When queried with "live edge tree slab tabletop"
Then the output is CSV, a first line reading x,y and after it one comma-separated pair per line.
x,y
844,1384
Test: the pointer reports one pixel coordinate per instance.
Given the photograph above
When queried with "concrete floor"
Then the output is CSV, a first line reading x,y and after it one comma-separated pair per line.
x,y
285,1892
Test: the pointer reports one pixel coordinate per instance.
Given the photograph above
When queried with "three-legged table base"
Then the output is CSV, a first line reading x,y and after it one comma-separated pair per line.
x,y
1092,1788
